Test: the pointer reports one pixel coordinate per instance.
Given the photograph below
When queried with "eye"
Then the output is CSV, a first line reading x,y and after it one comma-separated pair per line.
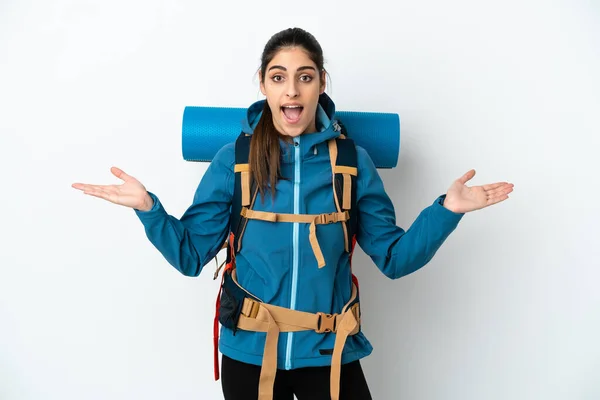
x,y
306,78
277,78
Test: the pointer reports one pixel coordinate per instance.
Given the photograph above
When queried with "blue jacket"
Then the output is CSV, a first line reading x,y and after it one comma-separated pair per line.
x,y
276,262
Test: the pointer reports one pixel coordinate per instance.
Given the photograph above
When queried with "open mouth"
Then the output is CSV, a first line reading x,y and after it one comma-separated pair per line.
x,y
292,113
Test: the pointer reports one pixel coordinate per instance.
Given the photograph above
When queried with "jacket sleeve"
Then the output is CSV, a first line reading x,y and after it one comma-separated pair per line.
x,y
193,240
397,252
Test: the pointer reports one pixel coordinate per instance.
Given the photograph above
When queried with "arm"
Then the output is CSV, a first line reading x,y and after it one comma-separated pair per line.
x,y
193,240
397,252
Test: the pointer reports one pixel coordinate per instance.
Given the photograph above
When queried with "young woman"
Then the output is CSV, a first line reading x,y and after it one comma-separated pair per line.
x,y
295,269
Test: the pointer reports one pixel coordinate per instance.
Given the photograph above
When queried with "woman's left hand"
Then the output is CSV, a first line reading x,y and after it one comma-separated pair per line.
x,y
462,199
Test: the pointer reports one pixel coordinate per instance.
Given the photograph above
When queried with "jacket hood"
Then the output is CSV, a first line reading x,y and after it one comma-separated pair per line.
x,y
326,123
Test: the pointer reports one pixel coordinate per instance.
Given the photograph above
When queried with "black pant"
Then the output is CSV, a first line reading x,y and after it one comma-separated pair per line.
x,y
240,382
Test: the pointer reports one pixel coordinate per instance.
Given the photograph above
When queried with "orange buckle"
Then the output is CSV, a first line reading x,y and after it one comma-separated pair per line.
x,y
326,323
327,219
253,311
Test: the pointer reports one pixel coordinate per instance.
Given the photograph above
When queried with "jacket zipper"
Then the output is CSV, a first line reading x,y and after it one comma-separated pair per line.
x,y
296,233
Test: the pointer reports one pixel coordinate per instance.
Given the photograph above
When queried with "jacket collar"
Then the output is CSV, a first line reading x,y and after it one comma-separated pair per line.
x,y
327,128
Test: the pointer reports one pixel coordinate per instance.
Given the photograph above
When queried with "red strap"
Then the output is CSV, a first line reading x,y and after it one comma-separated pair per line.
x,y
228,267
354,278
216,334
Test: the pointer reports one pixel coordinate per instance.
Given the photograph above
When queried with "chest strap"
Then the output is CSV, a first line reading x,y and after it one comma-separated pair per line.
x,y
261,317
312,219
343,204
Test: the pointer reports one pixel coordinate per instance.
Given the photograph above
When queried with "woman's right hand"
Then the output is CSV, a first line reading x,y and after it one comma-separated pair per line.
x,y
130,194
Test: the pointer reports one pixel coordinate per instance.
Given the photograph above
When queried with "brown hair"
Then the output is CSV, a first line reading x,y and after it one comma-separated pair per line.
x,y
265,154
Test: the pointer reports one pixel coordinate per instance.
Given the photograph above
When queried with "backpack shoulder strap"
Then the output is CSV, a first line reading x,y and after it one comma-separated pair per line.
x,y
244,191
342,152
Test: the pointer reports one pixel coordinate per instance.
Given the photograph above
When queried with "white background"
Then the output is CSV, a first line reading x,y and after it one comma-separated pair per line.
x,y
509,308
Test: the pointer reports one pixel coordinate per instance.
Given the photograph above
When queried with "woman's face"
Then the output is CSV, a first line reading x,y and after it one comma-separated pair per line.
x,y
292,86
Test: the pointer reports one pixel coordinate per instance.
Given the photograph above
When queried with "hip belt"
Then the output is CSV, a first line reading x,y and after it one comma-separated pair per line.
x,y
239,309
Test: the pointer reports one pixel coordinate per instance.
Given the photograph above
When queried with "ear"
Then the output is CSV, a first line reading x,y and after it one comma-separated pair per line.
x,y
323,81
262,84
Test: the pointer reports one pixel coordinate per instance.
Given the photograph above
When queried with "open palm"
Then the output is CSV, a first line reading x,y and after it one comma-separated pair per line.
x,y
130,194
461,198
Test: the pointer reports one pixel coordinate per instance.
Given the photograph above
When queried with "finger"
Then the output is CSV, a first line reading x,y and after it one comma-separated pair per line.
x,y
119,173
496,199
503,189
97,193
467,177
501,194
497,186
492,186
108,190
109,193
84,186
93,189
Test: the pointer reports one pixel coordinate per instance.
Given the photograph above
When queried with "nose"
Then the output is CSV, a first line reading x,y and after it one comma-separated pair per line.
x,y
292,90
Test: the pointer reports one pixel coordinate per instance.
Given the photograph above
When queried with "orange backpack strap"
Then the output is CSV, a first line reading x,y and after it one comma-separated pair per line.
x,y
244,192
342,153
345,175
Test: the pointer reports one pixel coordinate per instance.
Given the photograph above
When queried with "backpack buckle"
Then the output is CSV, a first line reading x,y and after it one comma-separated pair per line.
x,y
250,308
326,323
325,219
336,126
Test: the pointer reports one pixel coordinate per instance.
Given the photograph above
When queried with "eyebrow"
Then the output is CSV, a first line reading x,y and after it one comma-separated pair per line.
x,y
285,69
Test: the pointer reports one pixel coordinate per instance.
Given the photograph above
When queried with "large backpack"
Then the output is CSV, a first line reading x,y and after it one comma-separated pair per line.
x,y
342,151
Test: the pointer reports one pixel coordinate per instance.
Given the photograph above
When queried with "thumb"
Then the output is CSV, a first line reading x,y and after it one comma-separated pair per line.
x,y
467,177
119,173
